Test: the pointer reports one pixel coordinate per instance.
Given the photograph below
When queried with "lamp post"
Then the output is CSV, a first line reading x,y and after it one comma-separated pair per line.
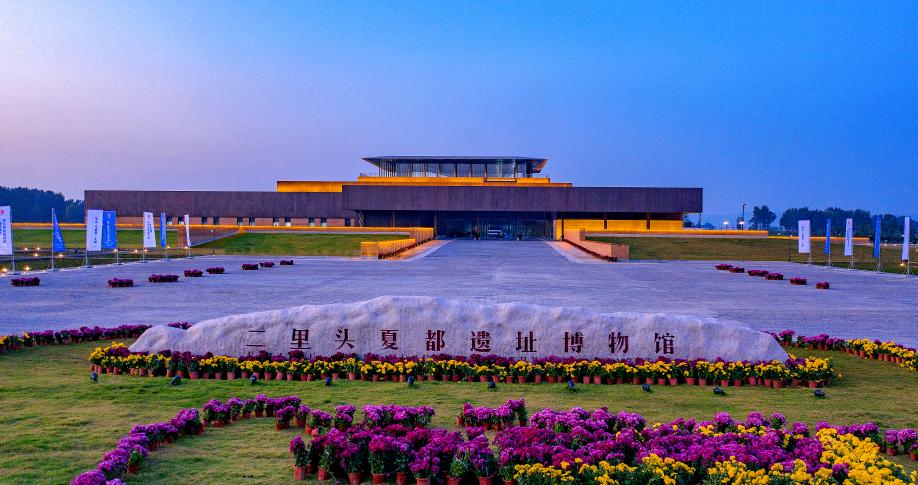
x,y
726,224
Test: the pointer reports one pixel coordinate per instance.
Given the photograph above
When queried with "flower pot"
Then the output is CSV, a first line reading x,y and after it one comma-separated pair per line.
x,y
795,382
913,456
891,450
777,383
299,473
813,384
737,382
459,422
537,379
323,474
453,480
307,429
194,375
423,481
510,482
482,379
724,383
401,478
597,379
335,376
488,426
402,378
552,379
753,381
354,478
690,381
508,380
648,381
259,413
702,381
133,469
456,378
521,379
231,375
485,480
280,376
674,381
246,414
303,377
352,376
300,423
310,378
661,381
246,374
311,469
378,478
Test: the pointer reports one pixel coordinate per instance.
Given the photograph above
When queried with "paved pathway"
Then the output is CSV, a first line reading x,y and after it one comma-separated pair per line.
x,y
859,303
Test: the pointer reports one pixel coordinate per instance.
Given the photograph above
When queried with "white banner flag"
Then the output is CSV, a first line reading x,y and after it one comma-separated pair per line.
x,y
906,237
849,237
149,230
187,230
6,231
803,237
94,230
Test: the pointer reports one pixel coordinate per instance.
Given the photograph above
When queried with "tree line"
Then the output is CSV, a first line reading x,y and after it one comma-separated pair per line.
x,y
891,225
34,205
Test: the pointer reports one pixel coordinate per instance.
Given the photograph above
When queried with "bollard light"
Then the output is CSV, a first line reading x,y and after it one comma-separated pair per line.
x,y
719,391
253,379
410,381
176,380
646,387
93,376
819,393
328,381
570,386
492,385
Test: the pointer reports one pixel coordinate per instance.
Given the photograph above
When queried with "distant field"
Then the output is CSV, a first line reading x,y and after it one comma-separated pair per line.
x,y
76,238
296,244
771,249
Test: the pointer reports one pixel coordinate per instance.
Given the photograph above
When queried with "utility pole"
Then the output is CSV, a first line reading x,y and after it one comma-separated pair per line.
x,y
743,217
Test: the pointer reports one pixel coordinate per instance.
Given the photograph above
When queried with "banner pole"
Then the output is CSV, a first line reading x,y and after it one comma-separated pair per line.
x,y
52,257
14,261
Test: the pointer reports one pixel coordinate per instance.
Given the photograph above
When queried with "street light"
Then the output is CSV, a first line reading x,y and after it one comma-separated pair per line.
x,y
726,223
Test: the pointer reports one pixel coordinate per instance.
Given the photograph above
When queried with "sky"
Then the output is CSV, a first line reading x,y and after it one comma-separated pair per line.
x,y
786,104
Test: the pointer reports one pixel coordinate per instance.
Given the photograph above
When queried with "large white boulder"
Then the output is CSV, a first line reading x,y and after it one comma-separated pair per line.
x,y
417,326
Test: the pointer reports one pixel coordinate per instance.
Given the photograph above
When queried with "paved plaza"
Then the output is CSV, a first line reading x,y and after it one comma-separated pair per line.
x,y
859,304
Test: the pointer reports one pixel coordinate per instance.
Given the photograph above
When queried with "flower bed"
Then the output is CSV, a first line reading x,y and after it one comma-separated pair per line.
x,y
181,325
216,270
581,447
266,264
906,357
822,285
737,269
60,337
163,278
723,267
556,447
120,283
813,371
758,272
503,416
28,281
798,281
774,276
249,266
132,450
193,273
286,262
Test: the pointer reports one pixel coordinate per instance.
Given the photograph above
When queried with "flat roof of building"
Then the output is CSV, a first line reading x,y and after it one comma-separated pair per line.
x,y
537,165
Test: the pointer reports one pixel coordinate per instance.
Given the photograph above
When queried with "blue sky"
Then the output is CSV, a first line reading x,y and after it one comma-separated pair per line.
x,y
786,104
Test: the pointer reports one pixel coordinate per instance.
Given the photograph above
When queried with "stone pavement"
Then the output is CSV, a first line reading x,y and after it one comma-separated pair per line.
x,y
859,304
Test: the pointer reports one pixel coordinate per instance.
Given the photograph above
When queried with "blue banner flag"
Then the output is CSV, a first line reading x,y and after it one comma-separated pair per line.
x,y
876,237
828,249
57,239
109,230
162,229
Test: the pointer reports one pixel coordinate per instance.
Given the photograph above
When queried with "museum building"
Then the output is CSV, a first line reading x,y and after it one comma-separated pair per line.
x,y
505,197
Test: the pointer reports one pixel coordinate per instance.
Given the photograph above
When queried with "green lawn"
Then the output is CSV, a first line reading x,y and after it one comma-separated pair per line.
x,y
771,249
55,423
296,244
76,238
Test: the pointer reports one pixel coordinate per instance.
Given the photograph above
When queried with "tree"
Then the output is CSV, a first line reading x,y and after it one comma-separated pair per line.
x,y
762,217
34,205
